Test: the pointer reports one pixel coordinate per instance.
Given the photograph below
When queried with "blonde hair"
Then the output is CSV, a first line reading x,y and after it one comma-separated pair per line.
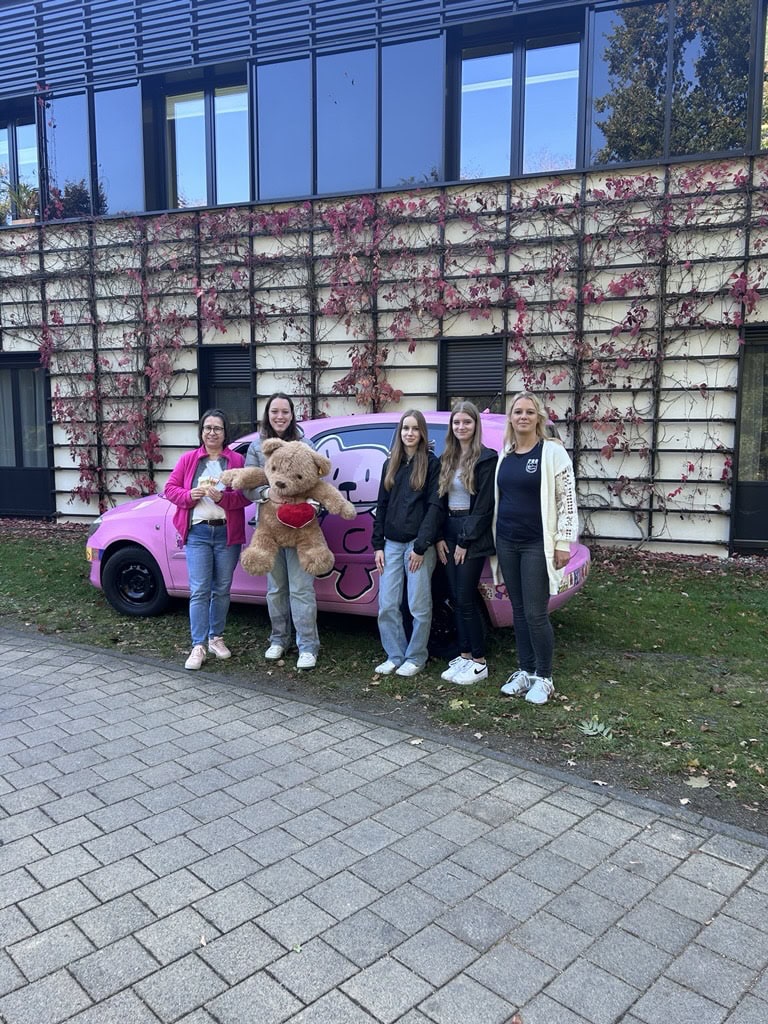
x,y
420,458
542,431
453,458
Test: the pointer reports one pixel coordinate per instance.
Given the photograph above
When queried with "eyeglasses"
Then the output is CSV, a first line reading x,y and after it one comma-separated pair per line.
x,y
213,430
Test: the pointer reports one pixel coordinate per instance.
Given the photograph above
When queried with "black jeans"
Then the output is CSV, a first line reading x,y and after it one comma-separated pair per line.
x,y
524,568
462,581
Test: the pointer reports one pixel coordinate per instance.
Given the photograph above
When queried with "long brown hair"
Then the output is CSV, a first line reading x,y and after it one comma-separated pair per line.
x,y
452,457
542,430
420,458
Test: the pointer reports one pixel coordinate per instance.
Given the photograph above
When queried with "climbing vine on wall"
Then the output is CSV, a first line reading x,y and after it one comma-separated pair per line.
x,y
620,298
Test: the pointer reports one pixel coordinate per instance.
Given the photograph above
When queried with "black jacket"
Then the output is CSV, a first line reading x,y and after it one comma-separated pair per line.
x,y
403,514
475,532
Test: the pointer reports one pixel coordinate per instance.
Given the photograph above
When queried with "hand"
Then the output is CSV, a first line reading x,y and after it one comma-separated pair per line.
x,y
459,554
379,559
414,562
562,558
442,551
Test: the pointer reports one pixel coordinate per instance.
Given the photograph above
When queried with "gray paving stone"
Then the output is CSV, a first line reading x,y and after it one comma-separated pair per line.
x,y
405,817
258,817
511,973
113,816
180,987
236,1006
343,894
241,952
53,906
593,993
638,858
425,848
224,868
543,1010
449,882
216,835
65,808
661,927
21,853
173,892
168,824
364,937
271,846
737,940
673,837
736,852
114,920
47,1001
11,977
283,880
628,958
711,975
113,968
368,836
748,906
385,869
667,1001
176,935
462,1000
67,834
554,941
62,867
519,839
386,989
749,1011
327,857
616,884
516,896
458,828
14,926
312,970
476,922
713,873
120,877
435,954
296,921
49,950
119,1009
408,908
520,792
585,909
608,828
17,885
689,899
334,1008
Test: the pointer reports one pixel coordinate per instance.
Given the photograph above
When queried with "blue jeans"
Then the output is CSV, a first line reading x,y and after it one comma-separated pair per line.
x,y
291,598
524,568
462,581
419,589
210,565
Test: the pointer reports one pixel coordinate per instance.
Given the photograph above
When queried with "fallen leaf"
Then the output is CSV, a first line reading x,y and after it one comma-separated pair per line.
x,y
697,782
684,800
202,940
598,782
731,784
478,735
416,742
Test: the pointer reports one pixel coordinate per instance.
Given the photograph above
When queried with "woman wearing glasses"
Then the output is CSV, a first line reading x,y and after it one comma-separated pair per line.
x,y
211,524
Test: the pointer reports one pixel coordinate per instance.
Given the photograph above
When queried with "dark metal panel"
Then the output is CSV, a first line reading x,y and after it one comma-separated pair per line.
x,y
474,364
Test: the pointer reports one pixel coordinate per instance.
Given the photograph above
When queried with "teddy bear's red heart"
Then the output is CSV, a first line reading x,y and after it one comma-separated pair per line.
x,y
297,515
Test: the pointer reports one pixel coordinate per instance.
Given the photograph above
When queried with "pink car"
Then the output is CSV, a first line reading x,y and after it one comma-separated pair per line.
x,y
137,558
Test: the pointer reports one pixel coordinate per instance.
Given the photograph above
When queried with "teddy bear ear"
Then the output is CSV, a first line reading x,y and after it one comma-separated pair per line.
x,y
271,445
323,464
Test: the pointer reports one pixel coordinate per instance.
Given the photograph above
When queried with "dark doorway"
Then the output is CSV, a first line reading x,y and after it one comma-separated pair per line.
x,y
749,521
25,451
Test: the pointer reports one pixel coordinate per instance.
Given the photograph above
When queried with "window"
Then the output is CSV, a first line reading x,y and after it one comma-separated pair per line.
x,y
519,107
120,149
346,121
285,129
67,143
646,108
207,146
19,180
472,370
412,86
753,419
226,381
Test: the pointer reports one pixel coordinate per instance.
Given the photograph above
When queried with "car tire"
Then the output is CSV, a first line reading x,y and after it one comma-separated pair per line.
x,y
133,583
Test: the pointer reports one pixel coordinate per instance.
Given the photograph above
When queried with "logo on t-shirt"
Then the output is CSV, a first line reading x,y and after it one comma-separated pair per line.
x,y
532,466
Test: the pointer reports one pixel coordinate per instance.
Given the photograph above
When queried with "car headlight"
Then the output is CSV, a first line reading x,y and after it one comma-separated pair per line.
x,y
95,525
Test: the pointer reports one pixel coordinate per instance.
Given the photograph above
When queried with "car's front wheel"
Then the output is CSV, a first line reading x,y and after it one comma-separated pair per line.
x,y
133,583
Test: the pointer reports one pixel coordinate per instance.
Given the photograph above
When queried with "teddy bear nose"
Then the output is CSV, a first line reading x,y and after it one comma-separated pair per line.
x,y
280,484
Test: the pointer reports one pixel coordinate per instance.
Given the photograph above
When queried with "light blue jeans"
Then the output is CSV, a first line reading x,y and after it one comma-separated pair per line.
x,y
210,565
419,589
291,598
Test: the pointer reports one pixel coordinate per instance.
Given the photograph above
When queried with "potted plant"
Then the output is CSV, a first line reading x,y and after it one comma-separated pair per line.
x,y
18,203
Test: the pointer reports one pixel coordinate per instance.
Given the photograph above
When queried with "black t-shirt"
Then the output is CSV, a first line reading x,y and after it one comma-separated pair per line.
x,y
519,482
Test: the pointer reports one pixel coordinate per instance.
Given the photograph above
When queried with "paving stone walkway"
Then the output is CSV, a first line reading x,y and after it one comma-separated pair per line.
x,y
176,848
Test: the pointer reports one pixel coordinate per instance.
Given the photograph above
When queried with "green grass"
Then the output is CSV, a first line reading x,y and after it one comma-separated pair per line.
x,y
669,653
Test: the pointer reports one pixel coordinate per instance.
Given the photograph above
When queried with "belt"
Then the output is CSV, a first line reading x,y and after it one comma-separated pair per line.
x,y
210,522
458,512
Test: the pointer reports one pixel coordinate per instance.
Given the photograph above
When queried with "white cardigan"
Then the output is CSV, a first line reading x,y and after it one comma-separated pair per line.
x,y
559,514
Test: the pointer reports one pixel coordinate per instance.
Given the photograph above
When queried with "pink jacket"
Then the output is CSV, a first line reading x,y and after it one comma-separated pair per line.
x,y
179,487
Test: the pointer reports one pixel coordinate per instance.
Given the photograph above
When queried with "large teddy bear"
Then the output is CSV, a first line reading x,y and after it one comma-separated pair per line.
x,y
294,473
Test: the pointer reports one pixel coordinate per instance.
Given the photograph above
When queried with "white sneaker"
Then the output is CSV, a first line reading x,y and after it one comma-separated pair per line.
x,y
518,684
386,668
408,668
541,690
306,659
196,657
274,652
473,672
455,666
217,646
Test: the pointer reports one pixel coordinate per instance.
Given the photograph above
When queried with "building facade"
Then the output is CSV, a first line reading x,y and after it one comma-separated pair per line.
x,y
381,204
